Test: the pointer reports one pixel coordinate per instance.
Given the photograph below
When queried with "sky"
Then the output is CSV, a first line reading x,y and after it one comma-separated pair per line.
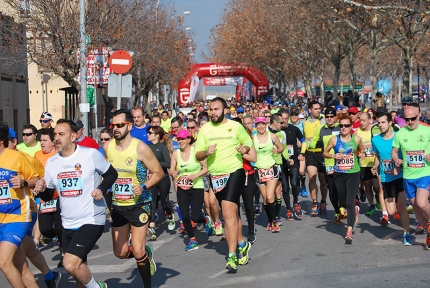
x,y
205,14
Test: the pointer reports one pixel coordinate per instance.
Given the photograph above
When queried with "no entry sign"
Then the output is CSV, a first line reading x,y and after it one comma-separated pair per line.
x,y
120,62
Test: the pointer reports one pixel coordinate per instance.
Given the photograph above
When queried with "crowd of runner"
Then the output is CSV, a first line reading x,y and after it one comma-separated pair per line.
x,y
60,185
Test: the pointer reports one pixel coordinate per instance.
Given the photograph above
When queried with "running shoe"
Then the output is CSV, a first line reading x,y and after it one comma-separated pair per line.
x,y
171,223
348,237
300,194
362,195
377,204
252,236
152,265
257,208
218,228
314,211
181,228
342,213
336,219
278,219
289,217
151,234
194,225
231,264
419,229
298,210
269,227
102,284
305,192
208,226
242,254
357,211
407,239
396,216
371,210
409,207
275,227
323,208
427,243
54,282
356,201
192,245
384,219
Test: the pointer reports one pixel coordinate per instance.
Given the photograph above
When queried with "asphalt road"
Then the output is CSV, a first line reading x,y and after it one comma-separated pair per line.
x,y
306,253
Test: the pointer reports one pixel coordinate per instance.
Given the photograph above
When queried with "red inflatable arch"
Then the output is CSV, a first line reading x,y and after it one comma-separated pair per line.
x,y
259,81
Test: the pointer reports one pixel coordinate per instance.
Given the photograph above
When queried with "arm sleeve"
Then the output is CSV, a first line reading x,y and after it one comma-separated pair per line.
x,y
109,178
299,135
47,195
166,156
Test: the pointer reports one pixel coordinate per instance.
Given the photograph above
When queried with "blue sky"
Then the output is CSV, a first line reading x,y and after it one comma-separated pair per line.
x,y
205,14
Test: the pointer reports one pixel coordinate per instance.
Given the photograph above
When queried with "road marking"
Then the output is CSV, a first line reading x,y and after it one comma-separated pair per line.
x,y
276,275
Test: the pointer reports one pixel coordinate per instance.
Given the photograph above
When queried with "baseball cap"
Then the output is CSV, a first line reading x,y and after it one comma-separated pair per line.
x,y
46,115
79,124
240,110
406,100
330,110
12,134
339,107
183,134
353,110
260,120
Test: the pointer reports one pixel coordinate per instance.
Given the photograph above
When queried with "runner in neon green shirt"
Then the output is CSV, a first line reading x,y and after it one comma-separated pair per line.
x,y
223,142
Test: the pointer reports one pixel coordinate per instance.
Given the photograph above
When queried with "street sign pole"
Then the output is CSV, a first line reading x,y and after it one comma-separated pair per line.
x,y
83,65
118,99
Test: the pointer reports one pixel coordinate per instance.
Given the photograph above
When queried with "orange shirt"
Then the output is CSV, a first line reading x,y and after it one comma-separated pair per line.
x,y
42,157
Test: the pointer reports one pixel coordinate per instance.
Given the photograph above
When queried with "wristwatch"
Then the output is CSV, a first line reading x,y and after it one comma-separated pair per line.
x,y
25,183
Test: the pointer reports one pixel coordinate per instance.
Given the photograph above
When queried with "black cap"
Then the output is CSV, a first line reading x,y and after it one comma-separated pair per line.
x,y
330,110
406,100
79,124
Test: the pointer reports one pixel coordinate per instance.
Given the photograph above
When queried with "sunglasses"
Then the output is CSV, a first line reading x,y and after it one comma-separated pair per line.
x,y
329,116
344,125
191,127
29,134
120,125
44,121
188,119
411,119
104,139
294,114
350,114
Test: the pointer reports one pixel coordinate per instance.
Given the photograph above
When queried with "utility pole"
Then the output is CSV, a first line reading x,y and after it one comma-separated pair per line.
x,y
83,67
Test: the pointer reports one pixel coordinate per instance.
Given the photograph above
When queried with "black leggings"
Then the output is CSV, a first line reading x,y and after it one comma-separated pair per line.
x,y
285,188
347,186
162,188
333,194
247,196
234,187
293,174
195,198
50,224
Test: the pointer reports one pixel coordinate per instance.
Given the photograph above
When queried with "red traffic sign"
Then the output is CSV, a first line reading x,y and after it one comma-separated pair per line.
x,y
120,62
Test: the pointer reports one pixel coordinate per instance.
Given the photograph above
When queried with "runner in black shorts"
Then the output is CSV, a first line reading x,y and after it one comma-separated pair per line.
x,y
223,142
132,199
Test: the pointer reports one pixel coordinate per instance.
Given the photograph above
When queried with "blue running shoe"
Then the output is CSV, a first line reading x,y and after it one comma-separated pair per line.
x,y
208,226
407,239
300,194
305,192
192,245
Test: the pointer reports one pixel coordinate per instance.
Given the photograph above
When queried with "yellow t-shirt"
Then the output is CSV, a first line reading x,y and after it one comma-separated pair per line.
x,y
366,139
29,150
166,124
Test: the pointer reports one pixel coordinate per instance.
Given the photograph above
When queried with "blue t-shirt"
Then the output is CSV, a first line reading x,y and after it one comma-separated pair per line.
x,y
140,133
382,148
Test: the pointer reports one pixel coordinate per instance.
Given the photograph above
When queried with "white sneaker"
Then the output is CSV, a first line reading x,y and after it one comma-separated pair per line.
x,y
171,223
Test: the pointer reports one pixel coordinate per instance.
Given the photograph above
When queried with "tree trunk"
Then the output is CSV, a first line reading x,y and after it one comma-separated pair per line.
x,y
337,64
407,73
352,76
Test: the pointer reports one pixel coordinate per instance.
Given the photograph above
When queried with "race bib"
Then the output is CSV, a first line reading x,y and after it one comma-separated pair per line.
x,y
388,166
219,182
70,183
368,150
122,189
329,170
290,150
5,197
184,183
346,163
48,207
265,175
415,159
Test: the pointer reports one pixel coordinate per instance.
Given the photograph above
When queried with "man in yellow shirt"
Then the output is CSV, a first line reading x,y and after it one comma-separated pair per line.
x,y
165,121
30,144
